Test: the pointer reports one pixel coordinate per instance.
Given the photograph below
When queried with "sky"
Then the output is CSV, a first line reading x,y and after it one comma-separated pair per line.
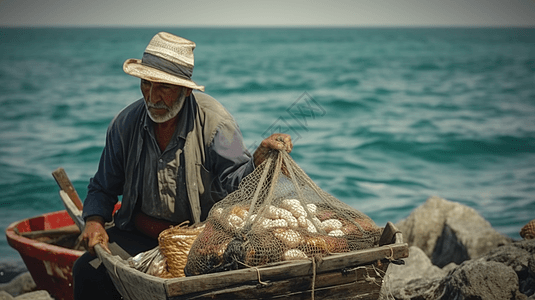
x,y
320,13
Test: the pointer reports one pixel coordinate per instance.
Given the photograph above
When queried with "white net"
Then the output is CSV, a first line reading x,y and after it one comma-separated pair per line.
x,y
277,214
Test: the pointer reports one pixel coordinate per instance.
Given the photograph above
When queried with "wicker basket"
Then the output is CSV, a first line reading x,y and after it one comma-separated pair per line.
x,y
175,244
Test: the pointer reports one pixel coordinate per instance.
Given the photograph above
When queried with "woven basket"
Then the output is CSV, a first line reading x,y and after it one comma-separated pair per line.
x,y
175,244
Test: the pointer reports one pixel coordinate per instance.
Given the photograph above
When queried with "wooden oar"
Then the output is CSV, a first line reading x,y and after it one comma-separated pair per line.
x,y
70,197
65,184
74,207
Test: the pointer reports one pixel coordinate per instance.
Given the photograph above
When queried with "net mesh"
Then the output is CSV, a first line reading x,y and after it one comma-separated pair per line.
x,y
277,214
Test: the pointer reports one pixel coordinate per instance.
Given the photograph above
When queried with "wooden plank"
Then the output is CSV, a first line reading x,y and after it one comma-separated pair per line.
x,y
65,184
361,275
328,286
363,257
187,285
71,229
399,238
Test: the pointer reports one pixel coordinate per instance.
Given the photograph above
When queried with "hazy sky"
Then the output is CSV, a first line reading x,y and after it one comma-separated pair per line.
x,y
268,13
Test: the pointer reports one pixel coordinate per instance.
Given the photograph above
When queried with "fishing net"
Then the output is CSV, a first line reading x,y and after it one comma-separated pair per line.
x,y
277,214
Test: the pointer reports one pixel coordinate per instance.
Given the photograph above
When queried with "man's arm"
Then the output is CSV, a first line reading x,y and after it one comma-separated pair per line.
x,y
230,160
233,162
103,191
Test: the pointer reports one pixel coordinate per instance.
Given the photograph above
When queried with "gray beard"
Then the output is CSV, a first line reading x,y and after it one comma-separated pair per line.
x,y
171,111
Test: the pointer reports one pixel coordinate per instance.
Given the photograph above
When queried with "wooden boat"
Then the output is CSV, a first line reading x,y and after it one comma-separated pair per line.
x,y
47,245
357,274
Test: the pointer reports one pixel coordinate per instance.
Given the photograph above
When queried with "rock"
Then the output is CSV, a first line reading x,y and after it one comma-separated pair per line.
x,y
505,272
10,269
474,279
449,232
520,257
449,267
5,296
37,295
479,279
418,271
448,248
21,284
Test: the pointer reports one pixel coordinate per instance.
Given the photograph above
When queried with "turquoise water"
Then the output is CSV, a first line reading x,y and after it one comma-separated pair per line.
x,y
381,118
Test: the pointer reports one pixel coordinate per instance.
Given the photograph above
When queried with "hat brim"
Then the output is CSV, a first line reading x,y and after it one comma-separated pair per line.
x,y
135,68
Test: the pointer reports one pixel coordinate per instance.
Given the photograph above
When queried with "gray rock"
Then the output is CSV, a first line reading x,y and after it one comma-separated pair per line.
x,y
449,232
477,262
474,279
520,257
424,225
418,273
37,295
5,296
449,267
479,279
21,284
449,249
9,269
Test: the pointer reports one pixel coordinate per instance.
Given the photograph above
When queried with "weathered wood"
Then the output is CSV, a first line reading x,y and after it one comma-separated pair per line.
x,y
389,234
399,238
361,280
65,184
112,263
182,286
72,210
51,233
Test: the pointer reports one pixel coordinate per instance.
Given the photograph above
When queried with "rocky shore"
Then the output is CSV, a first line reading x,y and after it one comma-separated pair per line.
x,y
17,283
454,254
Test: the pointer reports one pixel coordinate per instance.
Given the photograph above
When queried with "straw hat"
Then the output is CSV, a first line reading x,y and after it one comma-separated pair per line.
x,y
168,59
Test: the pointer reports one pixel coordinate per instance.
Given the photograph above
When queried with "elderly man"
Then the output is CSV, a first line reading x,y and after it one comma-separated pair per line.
x,y
171,155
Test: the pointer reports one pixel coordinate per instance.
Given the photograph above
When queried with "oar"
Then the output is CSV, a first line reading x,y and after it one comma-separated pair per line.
x,y
74,207
70,197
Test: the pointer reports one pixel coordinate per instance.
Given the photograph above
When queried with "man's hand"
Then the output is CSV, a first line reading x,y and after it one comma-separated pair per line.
x,y
94,233
277,141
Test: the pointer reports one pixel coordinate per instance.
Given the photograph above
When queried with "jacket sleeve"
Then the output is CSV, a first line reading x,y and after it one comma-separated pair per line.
x,y
107,184
230,160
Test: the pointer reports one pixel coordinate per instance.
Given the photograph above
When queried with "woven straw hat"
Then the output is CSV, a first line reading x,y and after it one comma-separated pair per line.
x,y
168,59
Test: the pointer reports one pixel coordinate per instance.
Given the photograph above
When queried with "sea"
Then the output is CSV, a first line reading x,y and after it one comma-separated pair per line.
x,y
381,118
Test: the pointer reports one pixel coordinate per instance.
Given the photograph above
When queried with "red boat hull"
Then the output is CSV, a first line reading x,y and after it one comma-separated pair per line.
x,y
49,265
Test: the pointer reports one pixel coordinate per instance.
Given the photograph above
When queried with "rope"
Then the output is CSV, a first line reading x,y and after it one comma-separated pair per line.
x,y
391,257
257,272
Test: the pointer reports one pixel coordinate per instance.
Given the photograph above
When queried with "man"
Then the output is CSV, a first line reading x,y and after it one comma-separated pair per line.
x,y
171,155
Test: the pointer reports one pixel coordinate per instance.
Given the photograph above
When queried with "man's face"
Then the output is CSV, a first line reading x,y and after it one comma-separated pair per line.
x,y
163,101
